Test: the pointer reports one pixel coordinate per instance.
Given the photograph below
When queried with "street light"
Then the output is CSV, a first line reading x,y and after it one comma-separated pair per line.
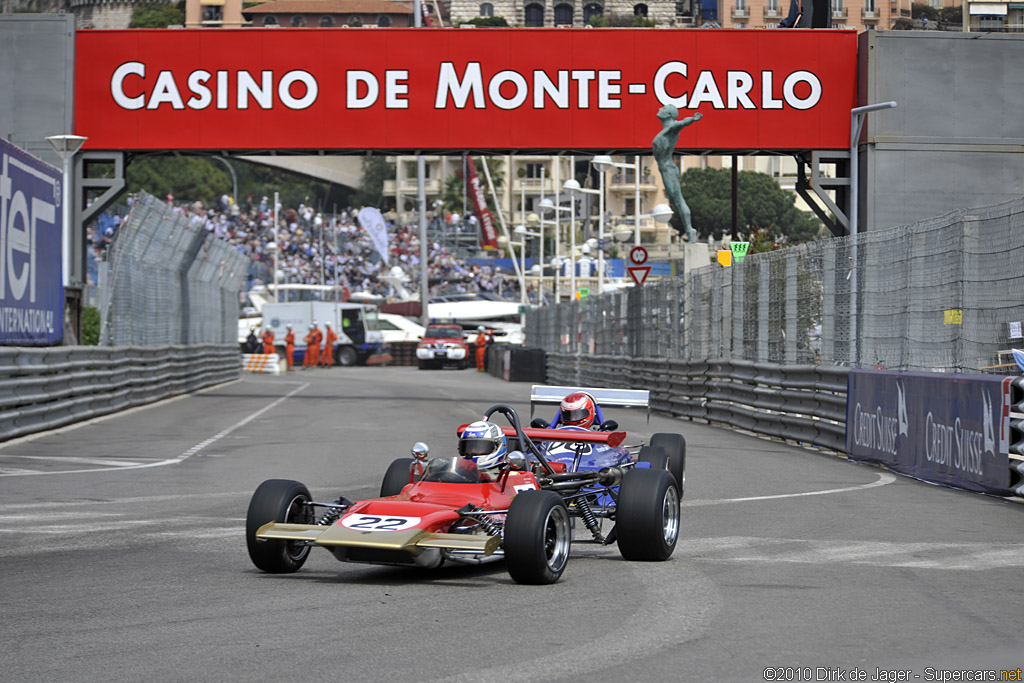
x,y
662,213
534,219
549,205
572,186
603,162
66,146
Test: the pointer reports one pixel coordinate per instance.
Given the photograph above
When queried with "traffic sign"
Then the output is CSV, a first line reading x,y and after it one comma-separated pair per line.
x,y
638,255
739,251
639,273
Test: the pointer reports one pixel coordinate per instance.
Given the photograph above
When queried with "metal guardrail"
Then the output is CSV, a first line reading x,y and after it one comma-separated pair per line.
x,y
802,403
47,388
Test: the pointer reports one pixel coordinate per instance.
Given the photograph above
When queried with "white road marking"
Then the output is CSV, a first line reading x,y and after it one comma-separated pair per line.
x,y
883,479
13,472
110,462
947,556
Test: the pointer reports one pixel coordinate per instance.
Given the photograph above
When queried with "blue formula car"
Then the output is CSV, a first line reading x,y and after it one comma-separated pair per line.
x,y
580,412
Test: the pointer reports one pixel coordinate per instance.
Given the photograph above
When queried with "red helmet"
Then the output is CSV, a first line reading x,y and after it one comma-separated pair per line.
x,y
578,409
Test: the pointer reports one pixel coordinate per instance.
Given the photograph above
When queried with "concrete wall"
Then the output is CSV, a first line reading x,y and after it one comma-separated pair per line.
x,y
37,52
956,139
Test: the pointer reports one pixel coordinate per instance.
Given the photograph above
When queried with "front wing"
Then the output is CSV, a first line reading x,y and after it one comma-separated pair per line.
x,y
412,541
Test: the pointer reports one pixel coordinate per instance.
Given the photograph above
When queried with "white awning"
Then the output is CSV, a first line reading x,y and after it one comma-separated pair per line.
x,y
989,8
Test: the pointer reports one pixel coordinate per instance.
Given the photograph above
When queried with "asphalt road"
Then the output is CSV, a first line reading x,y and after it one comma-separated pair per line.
x,y
122,557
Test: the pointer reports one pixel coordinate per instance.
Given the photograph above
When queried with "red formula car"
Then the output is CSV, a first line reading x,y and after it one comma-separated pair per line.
x,y
433,510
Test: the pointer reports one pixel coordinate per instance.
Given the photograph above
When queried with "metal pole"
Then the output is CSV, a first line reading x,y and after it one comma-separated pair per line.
x,y
600,238
636,200
234,178
540,258
277,247
856,123
522,243
558,229
735,198
67,218
572,230
421,191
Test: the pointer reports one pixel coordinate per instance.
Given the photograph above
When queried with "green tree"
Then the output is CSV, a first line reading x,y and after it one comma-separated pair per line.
x,y
376,169
484,22
919,10
621,21
158,16
192,178
90,326
952,17
761,203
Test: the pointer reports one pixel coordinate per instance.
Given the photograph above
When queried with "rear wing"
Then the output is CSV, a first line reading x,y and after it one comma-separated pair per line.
x,y
613,439
606,398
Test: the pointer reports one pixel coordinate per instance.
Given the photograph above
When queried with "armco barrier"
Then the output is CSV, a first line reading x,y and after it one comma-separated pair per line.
x,y
46,388
806,404
802,403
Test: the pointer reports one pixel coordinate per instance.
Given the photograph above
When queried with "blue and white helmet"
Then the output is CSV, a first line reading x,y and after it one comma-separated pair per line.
x,y
484,443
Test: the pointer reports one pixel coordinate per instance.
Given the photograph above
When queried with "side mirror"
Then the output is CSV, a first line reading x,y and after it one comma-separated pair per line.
x,y
609,426
539,423
516,461
420,450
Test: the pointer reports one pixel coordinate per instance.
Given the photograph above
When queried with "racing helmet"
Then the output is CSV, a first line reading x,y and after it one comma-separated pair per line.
x,y
578,409
484,443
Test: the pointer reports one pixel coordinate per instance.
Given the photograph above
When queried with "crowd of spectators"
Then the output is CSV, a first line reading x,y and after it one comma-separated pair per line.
x,y
323,249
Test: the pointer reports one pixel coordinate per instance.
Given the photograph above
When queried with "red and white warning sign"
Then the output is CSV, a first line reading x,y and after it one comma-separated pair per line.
x,y
638,271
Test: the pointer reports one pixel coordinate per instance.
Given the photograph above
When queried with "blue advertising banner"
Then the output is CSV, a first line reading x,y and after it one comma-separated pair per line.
x,y
947,429
31,226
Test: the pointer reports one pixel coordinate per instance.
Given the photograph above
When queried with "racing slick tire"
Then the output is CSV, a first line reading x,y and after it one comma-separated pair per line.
x,y
346,356
277,500
675,446
647,515
655,455
396,477
537,537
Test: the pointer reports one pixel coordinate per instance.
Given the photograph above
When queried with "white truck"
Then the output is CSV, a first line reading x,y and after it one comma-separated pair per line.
x,y
359,335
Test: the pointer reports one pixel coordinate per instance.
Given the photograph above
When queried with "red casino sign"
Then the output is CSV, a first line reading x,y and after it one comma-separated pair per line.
x,y
462,89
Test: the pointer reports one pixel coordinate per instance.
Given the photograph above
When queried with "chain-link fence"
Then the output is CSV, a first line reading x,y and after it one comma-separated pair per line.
x,y
945,294
169,281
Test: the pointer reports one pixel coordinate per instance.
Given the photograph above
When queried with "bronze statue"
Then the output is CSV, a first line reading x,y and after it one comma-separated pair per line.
x,y
664,145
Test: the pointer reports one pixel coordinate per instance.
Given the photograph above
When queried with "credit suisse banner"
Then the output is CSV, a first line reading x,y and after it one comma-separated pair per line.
x,y
462,89
948,429
31,225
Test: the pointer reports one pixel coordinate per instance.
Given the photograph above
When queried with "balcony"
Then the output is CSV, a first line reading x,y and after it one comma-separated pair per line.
x,y
869,15
839,15
772,14
741,13
623,182
409,187
533,185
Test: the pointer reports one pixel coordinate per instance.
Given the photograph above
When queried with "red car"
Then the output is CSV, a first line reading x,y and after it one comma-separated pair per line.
x,y
444,509
443,345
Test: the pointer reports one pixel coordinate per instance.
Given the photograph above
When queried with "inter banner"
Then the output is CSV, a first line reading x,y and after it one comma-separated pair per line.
x,y
948,429
31,226
345,89
488,233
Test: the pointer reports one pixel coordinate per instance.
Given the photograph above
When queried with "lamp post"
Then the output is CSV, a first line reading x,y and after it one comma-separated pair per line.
x,y
66,146
277,205
572,186
604,163
521,230
547,204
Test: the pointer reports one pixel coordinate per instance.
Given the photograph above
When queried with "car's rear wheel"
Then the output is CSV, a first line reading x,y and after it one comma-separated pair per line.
x,y
537,537
675,447
647,515
278,500
396,477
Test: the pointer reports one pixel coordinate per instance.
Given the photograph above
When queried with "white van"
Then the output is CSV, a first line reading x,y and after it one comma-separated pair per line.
x,y
359,335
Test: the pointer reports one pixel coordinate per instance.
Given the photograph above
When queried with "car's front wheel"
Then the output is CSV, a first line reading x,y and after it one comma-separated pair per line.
x,y
396,477
346,356
537,537
647,515
278,500
675,447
